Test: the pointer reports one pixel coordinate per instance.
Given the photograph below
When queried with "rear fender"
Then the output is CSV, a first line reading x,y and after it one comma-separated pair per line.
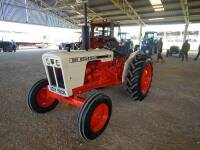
x,y
137,54
128,61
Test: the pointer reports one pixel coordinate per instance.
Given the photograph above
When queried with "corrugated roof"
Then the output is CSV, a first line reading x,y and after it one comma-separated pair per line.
x,y
173,12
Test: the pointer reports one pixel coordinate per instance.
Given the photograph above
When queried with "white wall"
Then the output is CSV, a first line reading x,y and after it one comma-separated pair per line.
x,y
35,33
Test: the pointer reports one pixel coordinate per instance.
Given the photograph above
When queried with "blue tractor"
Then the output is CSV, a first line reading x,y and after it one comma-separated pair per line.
x,y
149,43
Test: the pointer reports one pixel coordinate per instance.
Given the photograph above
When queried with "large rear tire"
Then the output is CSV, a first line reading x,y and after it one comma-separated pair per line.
x,y
94,116
139,77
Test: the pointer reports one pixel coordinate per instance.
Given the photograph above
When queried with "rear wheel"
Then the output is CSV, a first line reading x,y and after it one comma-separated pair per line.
x,y
94,116
139,77
38,99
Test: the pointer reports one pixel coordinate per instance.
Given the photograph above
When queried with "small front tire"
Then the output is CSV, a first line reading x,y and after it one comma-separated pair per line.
x,y
94,116
38,99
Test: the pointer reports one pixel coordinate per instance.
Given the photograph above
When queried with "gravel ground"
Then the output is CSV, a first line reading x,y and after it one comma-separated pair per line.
x,y
168,119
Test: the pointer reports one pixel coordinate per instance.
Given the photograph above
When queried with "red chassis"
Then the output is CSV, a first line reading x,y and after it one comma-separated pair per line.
x,y
98,74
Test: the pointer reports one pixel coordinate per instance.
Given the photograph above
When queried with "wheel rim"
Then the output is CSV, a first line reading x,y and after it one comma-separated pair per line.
x,y
99,117
146,79
43,100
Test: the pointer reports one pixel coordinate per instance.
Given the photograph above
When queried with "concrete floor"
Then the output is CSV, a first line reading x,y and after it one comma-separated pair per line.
x,y
168,119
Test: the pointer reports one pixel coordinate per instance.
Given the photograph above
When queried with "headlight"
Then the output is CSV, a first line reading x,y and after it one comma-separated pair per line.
x,y
48,61
58,63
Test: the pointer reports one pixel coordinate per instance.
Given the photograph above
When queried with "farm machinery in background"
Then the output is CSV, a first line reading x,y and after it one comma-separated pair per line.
x,y
8,46
125,38
102,32
173,51
70,46
101,35
149,43
72,78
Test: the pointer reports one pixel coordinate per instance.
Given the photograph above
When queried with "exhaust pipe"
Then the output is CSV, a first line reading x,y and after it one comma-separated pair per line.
x,y
85,30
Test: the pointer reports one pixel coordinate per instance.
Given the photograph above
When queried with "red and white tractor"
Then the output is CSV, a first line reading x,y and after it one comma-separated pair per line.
x,y
72,75
102,31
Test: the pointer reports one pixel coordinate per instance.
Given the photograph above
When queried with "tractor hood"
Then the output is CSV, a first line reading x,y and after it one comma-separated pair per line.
x,y
66,70
81,55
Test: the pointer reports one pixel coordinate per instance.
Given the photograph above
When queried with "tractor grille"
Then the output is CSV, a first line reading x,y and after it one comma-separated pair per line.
x,y
56,77
59,76
51,75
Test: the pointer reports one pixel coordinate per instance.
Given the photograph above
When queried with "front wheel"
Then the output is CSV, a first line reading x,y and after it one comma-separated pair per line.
x,y
38,99
94,116
139,77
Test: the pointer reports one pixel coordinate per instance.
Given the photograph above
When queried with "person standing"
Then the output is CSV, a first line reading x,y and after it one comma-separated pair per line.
x,y
197,54
14,46
159,50
185,49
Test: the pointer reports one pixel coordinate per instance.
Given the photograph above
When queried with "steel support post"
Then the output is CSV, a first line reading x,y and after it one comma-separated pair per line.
x,y
185,32
2,4
27,15
140,35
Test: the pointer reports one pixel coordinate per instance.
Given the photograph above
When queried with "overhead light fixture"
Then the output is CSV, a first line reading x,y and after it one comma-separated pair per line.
x,y
157,5
81,24
72,6
78,13
81,1
155,2
159,9
152,19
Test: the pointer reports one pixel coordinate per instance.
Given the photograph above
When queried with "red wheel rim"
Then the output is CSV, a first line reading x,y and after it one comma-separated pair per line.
x,y
99,117
146,79
43,100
